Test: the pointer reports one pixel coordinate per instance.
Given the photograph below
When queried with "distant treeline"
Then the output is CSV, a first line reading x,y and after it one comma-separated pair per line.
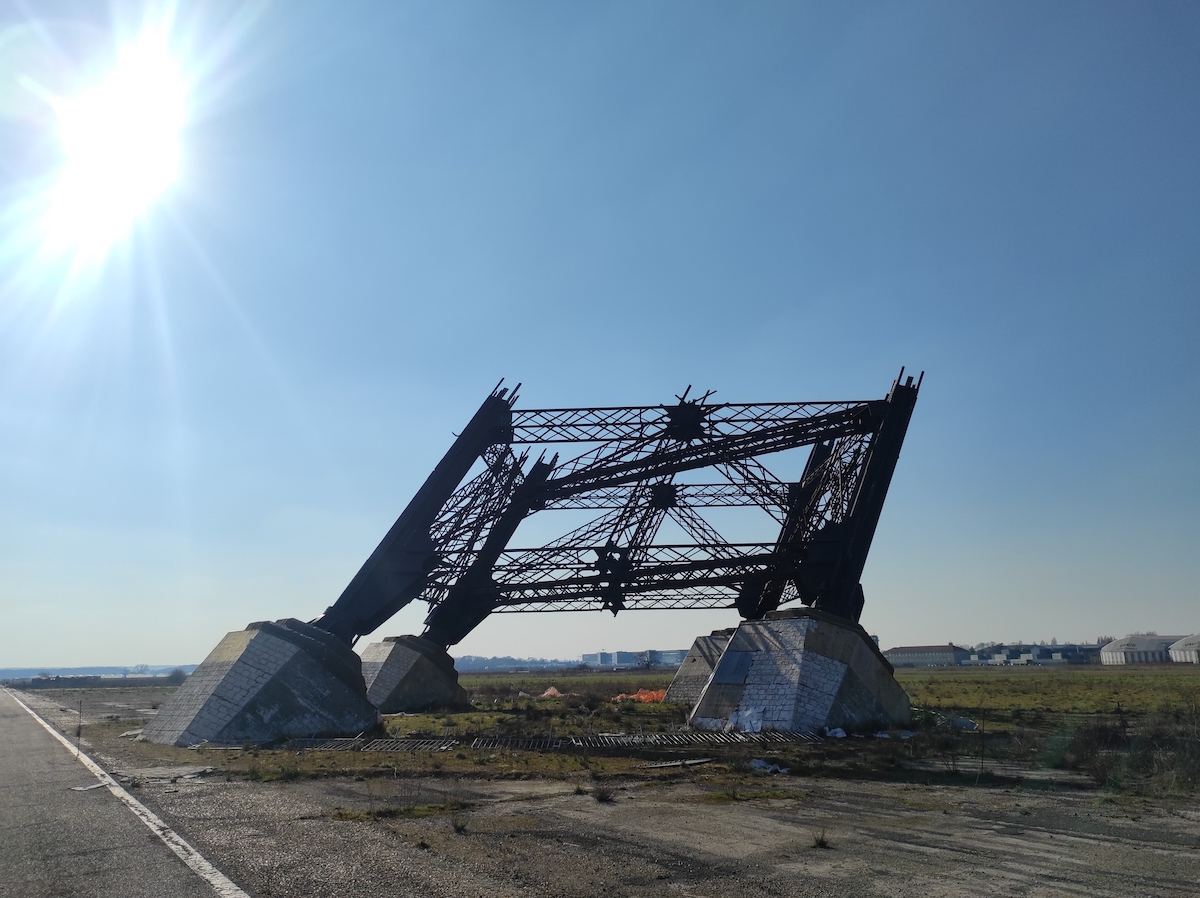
x,y
135,671
171,679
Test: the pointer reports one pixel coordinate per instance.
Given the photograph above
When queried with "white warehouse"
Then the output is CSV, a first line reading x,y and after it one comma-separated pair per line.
x,y
1186,650
1139,650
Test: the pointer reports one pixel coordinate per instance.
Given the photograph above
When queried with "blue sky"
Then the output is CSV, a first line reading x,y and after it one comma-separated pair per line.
x,y
382,209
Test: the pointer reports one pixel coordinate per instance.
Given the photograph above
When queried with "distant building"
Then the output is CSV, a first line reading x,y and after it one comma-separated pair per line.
x,y
665,657
1048,654
999,655
992,654
926,655
648,658
1139,650
1086,653
1186,650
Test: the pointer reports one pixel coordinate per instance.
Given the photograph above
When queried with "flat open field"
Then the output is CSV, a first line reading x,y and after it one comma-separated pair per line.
x,y
1028,691
1005,812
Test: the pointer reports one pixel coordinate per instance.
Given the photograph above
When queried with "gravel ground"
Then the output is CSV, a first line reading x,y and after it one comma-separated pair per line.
x,y
686,836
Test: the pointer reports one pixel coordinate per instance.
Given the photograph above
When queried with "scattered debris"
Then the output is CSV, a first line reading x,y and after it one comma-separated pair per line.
x,y
766,767
835,733
131,733
87,788
746,720
690,762
552,693
169,774
642,695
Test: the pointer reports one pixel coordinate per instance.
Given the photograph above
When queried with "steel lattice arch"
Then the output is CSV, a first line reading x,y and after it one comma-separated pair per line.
x,y
637,468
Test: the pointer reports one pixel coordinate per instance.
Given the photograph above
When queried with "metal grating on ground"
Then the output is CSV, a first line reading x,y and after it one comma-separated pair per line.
x,y
692,740
647,740
323,744
543,744
554,743
444,744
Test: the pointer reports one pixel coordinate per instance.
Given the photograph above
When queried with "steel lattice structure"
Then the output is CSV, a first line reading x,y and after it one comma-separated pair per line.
x,y
450,546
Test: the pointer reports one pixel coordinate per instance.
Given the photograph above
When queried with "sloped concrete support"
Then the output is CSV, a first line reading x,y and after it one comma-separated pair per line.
x,y
800,671
697,667
271,681
408,673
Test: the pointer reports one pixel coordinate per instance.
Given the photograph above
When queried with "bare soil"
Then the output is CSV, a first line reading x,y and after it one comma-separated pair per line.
x,y
451,826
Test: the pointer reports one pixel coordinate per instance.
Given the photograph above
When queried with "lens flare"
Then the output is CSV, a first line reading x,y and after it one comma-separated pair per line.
x,y
120,143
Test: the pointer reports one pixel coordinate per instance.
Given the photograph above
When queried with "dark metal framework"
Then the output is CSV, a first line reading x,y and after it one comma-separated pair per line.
x,y
450,546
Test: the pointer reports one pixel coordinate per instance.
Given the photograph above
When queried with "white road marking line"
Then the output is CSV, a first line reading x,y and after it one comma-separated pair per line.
x,y
221,883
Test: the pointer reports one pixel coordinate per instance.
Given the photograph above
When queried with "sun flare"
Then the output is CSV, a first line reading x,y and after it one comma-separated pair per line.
x,y
120,143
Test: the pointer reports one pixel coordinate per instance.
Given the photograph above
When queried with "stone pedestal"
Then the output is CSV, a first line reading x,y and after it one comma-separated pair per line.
x,y
697,667
801,671
271,681
408,673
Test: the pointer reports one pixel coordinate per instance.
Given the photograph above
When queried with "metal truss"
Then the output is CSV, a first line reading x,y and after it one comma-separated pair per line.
x,y
465,521
634,423
703,495
816,530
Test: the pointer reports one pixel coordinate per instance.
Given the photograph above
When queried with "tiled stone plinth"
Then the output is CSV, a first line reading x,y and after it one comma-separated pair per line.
x,y
270,681
697,667
408,673
799,671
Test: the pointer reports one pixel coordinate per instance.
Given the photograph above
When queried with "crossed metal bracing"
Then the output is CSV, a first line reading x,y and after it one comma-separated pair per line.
x,y
689,436
707,495
628,468
467,517
639,468
634,423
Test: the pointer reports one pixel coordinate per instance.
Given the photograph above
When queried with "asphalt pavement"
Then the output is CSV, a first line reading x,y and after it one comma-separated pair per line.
x,y
60,843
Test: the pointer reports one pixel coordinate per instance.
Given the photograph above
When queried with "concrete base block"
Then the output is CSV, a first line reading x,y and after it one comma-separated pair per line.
x,y
408,673
271,681
697,667
800,671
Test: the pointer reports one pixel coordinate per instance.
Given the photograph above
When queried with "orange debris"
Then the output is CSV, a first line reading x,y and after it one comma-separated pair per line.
x,y
643,695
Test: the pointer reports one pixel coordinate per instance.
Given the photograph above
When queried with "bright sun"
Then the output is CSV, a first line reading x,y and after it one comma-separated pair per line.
x,y
121,148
